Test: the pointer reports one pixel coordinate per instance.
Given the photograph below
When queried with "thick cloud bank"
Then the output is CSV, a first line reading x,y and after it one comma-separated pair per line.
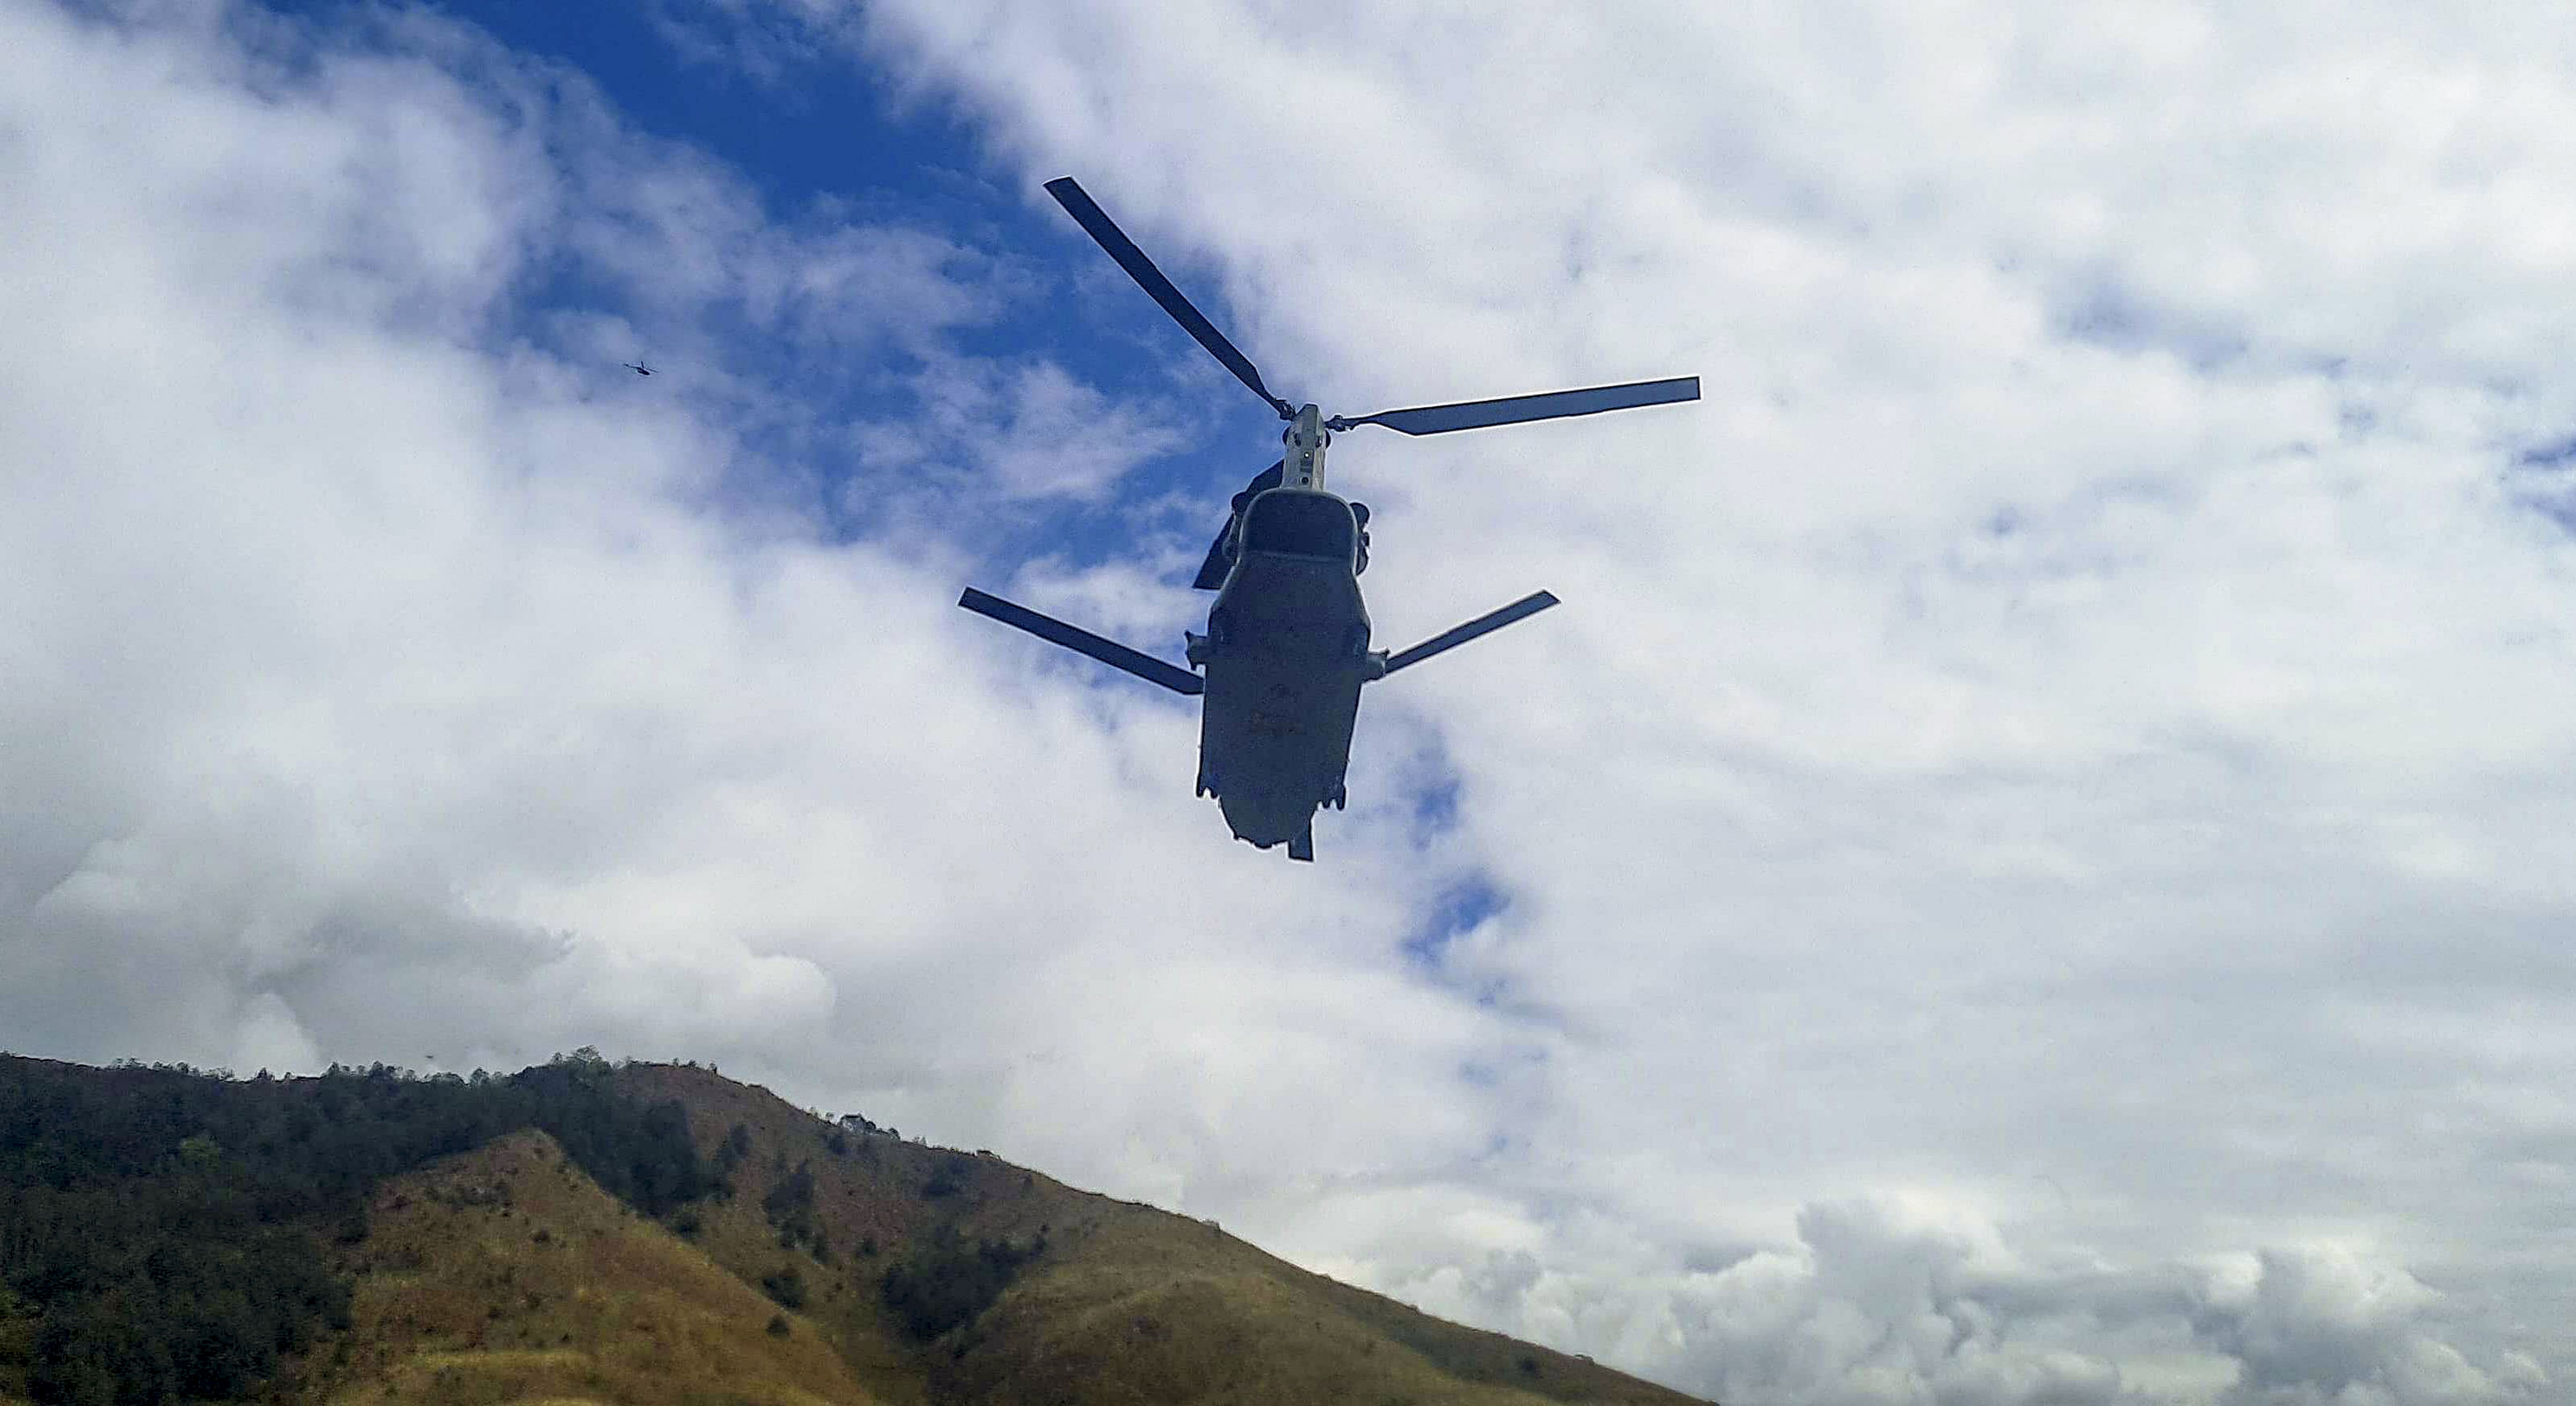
x,y
2028,869
1878,1305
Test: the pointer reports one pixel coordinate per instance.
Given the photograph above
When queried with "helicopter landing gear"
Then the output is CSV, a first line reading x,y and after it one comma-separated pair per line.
x,y
1303,847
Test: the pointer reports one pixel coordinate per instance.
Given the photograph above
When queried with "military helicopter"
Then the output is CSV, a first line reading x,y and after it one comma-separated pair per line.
x,y
1287,644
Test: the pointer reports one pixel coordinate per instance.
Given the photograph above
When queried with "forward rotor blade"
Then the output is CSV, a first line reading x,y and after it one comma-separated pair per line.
x,y
1477,628
1512,410
1109,652
1106,233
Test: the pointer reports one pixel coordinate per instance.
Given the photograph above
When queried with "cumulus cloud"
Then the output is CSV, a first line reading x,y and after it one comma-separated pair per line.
x,y
1888,1302
2032,839
1020,432
2326,1325
392,674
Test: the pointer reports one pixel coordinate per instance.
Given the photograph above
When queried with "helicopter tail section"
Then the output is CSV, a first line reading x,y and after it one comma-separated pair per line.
x,y
1080,641
1477,628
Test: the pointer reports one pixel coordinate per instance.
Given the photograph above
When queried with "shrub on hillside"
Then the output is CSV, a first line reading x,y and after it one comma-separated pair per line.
x,y
949,1177
787,1287
790,1205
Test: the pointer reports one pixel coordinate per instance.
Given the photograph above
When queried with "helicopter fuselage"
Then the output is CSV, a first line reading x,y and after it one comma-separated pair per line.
x,y
1285,656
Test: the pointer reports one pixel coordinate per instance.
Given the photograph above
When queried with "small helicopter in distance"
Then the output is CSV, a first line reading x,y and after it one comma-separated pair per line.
x,y
639,368
1287,645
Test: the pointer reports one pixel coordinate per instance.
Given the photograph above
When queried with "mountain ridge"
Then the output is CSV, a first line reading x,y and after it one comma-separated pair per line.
x,y
1193,1286
821,1260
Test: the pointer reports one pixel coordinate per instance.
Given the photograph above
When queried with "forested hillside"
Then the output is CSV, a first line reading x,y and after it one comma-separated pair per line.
x,y
163,1231
647,1234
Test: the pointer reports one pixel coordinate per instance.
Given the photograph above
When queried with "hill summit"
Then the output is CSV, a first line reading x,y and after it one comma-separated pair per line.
x,y
639,1233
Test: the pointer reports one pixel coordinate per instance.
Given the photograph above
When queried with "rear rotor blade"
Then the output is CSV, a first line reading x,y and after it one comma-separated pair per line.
x,y
1477,628
1105,232
1109,652
1512,410
1213,568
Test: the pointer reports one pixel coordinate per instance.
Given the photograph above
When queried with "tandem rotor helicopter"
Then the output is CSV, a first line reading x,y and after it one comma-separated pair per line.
x,y
1287,643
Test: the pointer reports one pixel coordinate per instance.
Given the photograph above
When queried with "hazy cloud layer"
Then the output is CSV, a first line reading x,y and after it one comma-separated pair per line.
x,y
2030,868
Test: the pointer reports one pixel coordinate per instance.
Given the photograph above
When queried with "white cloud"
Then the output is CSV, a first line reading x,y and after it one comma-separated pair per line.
x,y
386,686
1878,1302
2034,833
1019,432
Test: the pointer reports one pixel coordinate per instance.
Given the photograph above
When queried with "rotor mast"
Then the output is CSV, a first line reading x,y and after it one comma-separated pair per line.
x,y
1301,461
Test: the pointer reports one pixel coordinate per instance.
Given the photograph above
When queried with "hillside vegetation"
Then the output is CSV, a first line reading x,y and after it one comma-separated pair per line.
x,y
647,1234
1108,1301
506,1274
163,1233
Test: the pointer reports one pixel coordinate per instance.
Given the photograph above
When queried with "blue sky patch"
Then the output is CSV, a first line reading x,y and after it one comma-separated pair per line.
x,y
1459,910
826,145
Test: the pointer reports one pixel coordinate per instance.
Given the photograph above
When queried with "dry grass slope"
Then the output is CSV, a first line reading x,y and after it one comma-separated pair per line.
x,y
506,1275
1128,1305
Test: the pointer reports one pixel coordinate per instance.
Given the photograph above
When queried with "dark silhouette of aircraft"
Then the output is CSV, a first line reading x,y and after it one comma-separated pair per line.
x,y
1287,645
637,367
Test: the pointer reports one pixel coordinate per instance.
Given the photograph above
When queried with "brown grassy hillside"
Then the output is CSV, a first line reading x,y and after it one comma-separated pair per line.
x,y
506,1275
1124,1304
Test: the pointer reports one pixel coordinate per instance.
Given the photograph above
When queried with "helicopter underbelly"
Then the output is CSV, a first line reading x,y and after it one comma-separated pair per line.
x,y
1289,654
1274,746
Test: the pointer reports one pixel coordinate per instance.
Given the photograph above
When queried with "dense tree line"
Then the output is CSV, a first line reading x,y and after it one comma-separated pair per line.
x,y
161,1229
952,1279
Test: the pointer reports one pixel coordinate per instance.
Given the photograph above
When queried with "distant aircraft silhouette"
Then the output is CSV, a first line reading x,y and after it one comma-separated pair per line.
x,y
639,368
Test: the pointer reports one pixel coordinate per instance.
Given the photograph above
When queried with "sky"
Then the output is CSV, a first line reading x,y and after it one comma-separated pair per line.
x,y
2031,866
